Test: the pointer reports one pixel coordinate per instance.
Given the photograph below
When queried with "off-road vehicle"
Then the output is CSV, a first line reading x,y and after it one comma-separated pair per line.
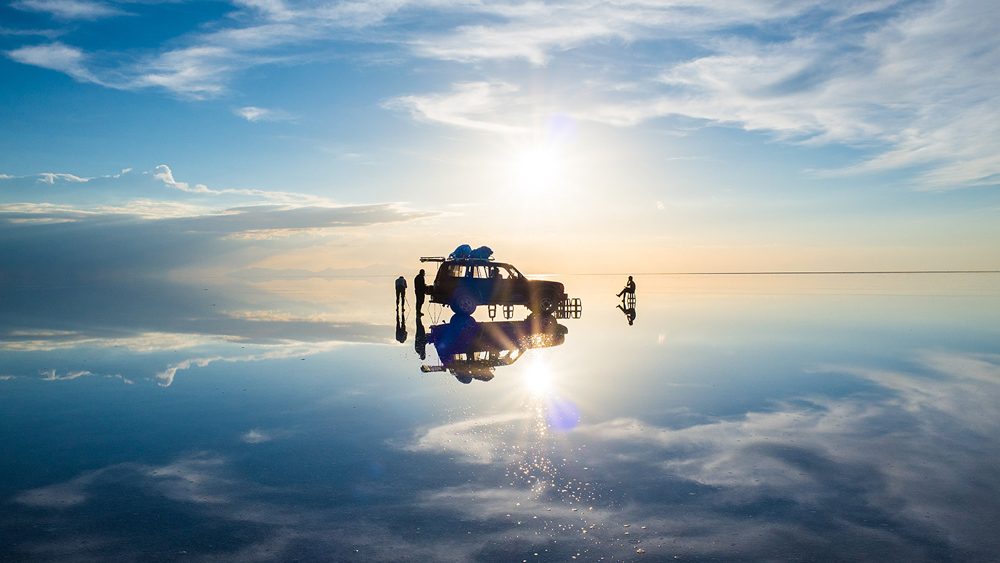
x,y
465,283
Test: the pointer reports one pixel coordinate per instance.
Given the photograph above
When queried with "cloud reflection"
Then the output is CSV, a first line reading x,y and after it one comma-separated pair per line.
x,y
149,324
901,474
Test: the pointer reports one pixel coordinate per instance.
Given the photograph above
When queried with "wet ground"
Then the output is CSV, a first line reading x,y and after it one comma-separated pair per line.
x,y
779,418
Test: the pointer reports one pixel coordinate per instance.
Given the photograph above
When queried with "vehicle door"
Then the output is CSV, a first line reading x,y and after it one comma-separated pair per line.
x,y
477,280
446,281
511,285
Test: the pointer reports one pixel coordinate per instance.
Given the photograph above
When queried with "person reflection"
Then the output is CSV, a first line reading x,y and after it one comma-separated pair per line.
x,y
420,288
420,340
400,326
629,311
627,305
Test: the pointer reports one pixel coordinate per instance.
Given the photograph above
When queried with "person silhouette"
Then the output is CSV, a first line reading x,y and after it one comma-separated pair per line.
x,y
400,292
420,288
401,326
629,289
629,312
420,340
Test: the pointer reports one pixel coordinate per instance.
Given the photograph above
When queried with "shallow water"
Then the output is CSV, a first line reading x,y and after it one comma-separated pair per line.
x,y
794,417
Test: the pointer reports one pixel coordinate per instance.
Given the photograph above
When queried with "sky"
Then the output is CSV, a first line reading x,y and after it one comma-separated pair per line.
x,y
159,139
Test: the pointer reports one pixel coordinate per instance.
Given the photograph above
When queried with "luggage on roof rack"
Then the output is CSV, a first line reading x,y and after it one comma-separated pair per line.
x,y
465,252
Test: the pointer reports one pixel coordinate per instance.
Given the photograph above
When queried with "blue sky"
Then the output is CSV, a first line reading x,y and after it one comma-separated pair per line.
x,y
656,135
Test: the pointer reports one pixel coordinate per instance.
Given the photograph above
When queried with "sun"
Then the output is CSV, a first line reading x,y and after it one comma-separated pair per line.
x,y
538,168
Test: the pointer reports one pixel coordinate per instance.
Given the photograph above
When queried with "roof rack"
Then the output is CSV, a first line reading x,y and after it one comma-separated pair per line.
x,y
464,260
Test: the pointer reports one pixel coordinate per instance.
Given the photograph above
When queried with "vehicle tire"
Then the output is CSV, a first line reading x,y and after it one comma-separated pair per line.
x,y
463,324
545,303
463,303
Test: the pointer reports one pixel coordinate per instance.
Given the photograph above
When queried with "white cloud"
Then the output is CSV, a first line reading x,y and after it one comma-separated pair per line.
x,y
923,453
51,375
165,175
47,340
921,86
469,105
913,83
55,56
206,486
474,441
50,178
907,470
251,113
254,114
46,33
70,9
255,437
194,480
274,10
197,72
532,43
275,352
60,495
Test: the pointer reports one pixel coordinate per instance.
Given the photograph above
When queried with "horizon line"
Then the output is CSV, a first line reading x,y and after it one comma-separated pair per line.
x,y
788,273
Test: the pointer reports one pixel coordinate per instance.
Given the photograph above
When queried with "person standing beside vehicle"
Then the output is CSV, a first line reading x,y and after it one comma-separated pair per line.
x,y
420,288
400,292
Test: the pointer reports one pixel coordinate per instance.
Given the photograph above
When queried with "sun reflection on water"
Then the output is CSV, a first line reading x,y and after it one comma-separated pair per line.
x,y
538,378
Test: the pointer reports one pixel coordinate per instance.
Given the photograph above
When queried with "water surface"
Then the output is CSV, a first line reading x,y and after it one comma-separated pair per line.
x,y
826,417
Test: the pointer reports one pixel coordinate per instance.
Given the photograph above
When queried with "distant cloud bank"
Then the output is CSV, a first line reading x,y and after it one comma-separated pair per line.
x,y
52,231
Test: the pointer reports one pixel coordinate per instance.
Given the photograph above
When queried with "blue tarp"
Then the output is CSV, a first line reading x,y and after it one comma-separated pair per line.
x,y
461,253
482,253
465,252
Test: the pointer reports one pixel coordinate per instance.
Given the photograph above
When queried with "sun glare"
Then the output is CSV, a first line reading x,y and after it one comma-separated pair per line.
x,y
538,378
538,167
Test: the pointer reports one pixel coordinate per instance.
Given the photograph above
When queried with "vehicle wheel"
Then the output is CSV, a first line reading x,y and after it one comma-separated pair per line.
x,y
545,303
545,323
463,324
464,303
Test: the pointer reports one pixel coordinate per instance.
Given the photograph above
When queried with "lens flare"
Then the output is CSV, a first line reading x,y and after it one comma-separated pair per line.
x,y
562,414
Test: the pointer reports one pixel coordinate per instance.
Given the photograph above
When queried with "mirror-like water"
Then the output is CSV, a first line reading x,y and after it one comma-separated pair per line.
x,y
736,418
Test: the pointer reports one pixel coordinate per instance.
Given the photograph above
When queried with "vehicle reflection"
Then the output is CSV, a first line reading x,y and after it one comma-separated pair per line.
x,y
469,349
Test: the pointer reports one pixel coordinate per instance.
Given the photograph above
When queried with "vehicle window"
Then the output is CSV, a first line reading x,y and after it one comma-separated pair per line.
x,y
482,272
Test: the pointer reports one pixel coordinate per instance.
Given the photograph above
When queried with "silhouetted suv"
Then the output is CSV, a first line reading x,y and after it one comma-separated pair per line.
x,y
466,283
